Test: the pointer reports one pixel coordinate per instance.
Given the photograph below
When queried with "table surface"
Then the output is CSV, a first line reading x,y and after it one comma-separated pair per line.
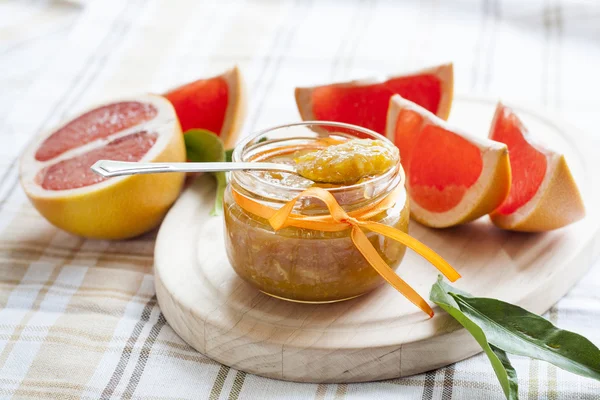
x,y
79,319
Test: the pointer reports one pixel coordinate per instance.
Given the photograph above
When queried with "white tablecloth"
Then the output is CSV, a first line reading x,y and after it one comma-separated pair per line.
x,y
78,318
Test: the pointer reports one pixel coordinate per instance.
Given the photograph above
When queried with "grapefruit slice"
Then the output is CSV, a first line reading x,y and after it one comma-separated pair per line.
x,y
55,169
452,176
543,194
365,102
216,104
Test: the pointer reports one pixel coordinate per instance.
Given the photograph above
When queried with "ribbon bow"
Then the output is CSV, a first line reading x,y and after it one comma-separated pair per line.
x,y
357,220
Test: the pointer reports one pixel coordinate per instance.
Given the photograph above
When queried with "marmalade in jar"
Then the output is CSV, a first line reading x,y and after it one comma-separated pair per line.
x,y
308,265
347,162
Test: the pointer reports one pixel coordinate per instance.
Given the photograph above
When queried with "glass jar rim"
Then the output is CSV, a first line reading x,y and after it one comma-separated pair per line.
x,y
387,176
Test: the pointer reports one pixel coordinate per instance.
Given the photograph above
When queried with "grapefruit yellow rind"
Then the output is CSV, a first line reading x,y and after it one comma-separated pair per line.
x,y
444,72
556,203
236,109
120,207
484,196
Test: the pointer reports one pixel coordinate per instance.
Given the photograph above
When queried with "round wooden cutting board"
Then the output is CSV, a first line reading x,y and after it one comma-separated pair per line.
x,y
380,335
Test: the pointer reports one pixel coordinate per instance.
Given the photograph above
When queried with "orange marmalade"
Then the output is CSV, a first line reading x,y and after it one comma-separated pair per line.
x,y
347,162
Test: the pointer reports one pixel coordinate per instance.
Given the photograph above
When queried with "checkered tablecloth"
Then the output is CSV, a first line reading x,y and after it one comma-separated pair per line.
x,y
79,319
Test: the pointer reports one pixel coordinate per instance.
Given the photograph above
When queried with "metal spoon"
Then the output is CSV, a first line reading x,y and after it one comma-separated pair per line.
x,y
108,168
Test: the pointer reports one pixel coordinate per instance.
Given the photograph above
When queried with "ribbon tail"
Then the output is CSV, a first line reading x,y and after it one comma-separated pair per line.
x,y
365,247
442,265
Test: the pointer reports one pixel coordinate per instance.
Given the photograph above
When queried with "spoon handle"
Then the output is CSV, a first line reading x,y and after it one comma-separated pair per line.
x,y
108,168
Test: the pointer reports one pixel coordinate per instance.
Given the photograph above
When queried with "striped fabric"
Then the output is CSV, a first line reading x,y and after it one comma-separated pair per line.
x,y
79,319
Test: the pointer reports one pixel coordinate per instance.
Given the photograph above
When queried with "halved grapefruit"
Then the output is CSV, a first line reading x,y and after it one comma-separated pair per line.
x,y
55,169
543,194
365,102
216,104
452,177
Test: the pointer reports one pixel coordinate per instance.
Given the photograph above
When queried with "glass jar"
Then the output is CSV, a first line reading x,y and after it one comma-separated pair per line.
x,y
299,264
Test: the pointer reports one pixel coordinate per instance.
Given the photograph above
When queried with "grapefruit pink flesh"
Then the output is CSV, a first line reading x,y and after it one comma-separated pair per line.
x,y
433,184
406,132
95,124
201,104
447,165
366,105
75,172
528,164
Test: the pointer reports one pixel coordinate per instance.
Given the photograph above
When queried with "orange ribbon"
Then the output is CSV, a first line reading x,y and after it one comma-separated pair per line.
x,y
340,220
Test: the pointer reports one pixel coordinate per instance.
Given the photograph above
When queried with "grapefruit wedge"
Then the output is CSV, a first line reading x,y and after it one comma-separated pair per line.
x,y
55,169
216,104
452,176
543,195
365,102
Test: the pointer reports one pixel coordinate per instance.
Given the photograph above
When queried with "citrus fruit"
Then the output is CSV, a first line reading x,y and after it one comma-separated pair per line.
x,y
452,176
543,195
365,102
216,104
55,169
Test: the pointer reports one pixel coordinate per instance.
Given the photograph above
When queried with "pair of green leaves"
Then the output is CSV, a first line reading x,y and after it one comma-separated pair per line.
x,y
502,328
205,146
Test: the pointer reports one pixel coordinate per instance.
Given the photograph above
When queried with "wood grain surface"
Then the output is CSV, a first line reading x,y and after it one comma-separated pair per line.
x,y
380,335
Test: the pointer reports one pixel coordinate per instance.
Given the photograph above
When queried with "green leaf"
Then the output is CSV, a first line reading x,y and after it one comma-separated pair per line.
x,y
501,328
518,331
221,185
204,146
228,155
504,371
513,382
